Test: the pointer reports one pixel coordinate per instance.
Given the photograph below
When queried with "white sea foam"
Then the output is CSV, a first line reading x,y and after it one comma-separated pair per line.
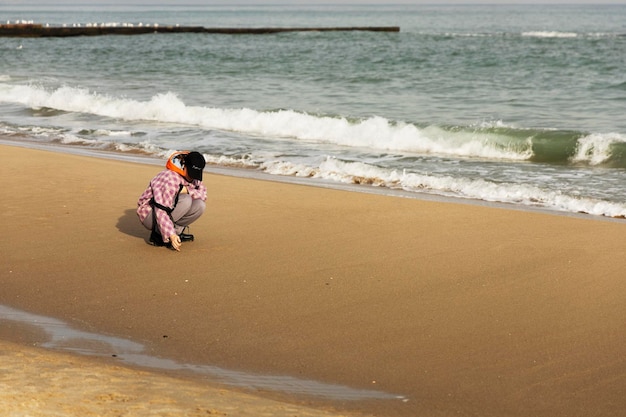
x,y
372,133
595,149
113,133
550,34
71,139
478,189
230,162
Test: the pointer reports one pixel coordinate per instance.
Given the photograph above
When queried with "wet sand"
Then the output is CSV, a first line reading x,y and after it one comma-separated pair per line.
x,y
36,383
461,309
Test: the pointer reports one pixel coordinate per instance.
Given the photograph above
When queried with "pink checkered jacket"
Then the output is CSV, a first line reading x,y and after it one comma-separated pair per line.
x,y
164,188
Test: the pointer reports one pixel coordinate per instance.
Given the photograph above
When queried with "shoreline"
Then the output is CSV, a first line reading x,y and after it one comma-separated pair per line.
x,y
460,308
57,336
39,382
306,181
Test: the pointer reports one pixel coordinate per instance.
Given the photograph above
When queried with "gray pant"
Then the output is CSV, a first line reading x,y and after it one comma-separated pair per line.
x,y
186,212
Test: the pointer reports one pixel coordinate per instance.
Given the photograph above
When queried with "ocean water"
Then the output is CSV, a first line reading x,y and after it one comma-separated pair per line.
x,y
516,104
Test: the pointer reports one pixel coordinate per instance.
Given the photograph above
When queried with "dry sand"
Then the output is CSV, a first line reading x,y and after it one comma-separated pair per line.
x,y
464,310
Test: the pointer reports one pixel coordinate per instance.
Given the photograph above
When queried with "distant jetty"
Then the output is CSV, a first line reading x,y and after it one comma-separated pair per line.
x,y
40,31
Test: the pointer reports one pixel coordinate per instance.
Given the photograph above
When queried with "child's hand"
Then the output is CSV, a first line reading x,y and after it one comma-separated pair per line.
x,y
175,241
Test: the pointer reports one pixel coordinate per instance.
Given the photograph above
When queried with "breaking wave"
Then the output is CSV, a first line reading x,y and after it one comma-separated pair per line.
x,y
492,141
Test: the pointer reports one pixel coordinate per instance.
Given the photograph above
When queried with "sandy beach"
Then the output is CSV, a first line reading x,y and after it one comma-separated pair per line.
x,y
40,383
453,308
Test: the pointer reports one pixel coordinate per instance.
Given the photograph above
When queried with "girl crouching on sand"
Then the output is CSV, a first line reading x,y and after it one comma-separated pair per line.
x,y
175,198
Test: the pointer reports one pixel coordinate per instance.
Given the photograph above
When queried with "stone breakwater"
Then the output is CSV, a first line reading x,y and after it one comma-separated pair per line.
x,y
32,30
